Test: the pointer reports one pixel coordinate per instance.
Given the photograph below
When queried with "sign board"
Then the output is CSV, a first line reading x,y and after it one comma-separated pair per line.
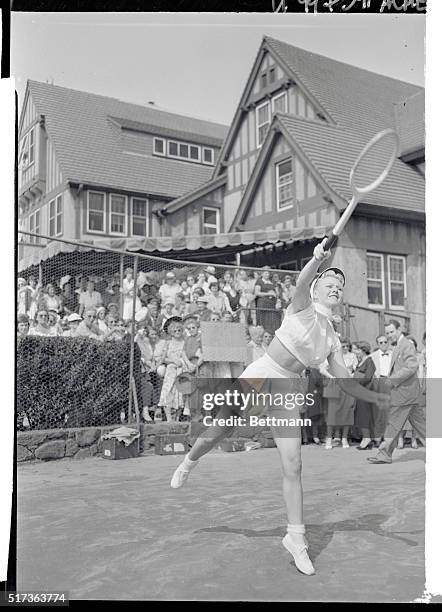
x,y
224,342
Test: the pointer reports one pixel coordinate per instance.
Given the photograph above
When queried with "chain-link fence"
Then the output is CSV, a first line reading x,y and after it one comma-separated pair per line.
x,y
108,336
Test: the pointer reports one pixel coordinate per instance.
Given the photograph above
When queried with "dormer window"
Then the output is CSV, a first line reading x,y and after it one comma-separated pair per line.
x,y
208,156
26,156
185,151
279,103
159,146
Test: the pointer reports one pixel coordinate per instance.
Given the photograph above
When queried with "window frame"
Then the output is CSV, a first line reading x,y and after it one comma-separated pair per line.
x,y
95,231
206,163
283,94
55,216
389,281
36,228
146,201
164,141
217,227
277,185
26,148
260,125
381,306
126,227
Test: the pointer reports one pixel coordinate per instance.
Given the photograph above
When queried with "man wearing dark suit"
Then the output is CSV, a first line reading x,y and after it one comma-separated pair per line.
x,y
404,385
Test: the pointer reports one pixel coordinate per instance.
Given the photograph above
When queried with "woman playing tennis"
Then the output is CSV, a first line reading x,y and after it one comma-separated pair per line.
x,y
305,339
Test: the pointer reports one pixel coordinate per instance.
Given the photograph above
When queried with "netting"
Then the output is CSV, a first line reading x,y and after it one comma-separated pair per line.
x,y
106,336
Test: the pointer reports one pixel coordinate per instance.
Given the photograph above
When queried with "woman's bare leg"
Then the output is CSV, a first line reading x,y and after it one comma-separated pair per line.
x,y
290,453
211,436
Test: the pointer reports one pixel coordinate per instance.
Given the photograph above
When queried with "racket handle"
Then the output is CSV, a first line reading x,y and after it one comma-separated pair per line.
x,y
330,242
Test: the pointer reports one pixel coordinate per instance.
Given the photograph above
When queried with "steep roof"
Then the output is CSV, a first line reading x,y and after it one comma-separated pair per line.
x,y
352,97
410,123
87,141
330,152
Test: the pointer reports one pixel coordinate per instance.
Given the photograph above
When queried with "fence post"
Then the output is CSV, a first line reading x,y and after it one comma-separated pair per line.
x,y
121,304
132,341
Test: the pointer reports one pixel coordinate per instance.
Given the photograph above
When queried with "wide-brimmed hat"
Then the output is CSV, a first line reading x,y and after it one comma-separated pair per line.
x,y
170,275
210,270
74,317
169,321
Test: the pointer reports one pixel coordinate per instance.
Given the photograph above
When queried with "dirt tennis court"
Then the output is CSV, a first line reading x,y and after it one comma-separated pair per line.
x,y
114,530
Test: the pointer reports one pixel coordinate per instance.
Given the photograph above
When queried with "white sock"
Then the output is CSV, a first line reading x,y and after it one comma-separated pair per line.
x,y
295,531
188,463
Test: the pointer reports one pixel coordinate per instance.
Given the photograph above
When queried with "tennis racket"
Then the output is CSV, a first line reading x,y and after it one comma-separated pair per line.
x,y
370,169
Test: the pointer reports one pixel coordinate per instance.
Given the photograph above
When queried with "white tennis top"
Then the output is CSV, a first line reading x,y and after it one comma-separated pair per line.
x,y
308,335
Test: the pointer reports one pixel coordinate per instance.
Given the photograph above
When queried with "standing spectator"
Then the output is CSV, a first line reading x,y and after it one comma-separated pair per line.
x,y
255,348
405,391
408,427
340,411
23,297
69,299
128,281
202,312
365,413
191,284
265,292
34,291
173,362
266,339
381,357
22,326
245,286
153,317
73,321
169,289
231,292
192,341
89,299
88,327
350,358
287,291
112,294
128,306
148,341
41,328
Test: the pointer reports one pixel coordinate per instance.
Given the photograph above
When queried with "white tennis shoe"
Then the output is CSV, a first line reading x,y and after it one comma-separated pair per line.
x,y
180,476
300,555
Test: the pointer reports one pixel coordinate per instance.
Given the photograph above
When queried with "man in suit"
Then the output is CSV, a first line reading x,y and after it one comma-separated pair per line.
x,y
381,358
404,385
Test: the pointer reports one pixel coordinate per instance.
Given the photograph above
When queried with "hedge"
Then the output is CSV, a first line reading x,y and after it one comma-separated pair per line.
x,y
72,382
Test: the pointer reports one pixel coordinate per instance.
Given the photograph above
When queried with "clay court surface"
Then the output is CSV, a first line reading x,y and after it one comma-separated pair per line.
x,y
114,530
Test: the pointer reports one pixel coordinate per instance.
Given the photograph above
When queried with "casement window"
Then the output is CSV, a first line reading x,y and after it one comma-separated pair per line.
x,y
118,215
272,75
139,217
375,280
262,122
208,156
284,182
159,146
211,224
27,150
55,217
279,103
95,212
397,284
34,226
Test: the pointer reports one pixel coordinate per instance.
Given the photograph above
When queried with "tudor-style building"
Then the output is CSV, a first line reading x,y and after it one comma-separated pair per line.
x,y
278,182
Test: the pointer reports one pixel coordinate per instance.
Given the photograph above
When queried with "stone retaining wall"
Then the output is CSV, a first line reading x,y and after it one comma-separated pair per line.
x,y
78,443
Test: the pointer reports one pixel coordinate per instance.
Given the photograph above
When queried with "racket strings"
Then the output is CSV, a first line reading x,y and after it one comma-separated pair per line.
x,y
373,163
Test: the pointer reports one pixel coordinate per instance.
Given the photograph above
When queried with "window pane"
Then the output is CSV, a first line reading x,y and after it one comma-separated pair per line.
x,y
262,133
138,207
118,204
59,204
263,80
209,230
59,219
96,201
285,168
173,148
184,150
263,114
96,221
374,267
210,216
374,292
159,146
139,227
279,104
194,153
397,294
117,224
52,208
208,155
51,227
396,269
271,75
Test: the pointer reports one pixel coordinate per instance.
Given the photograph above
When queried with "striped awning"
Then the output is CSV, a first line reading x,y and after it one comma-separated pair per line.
x,y
237,241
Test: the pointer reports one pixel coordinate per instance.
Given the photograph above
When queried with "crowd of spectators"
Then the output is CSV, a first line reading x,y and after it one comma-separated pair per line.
x,y
168,309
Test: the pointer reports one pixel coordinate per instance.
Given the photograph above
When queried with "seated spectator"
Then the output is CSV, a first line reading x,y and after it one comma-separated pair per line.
x,y
148,340
34,291
181,308
228,317
196,293
22,326
227,286
169,289
54,323
168,309
112,294
202,312
287,291
89,299
128,305
215,317
185,291
153,317
267,337
49,300
101,320
191,285
192,341
113,309
245,286
210,273
88,327
41,328
217,301
173,363
117,331
73,321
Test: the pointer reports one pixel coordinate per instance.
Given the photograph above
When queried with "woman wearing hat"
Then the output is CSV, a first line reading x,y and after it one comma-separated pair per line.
x,y
305,339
